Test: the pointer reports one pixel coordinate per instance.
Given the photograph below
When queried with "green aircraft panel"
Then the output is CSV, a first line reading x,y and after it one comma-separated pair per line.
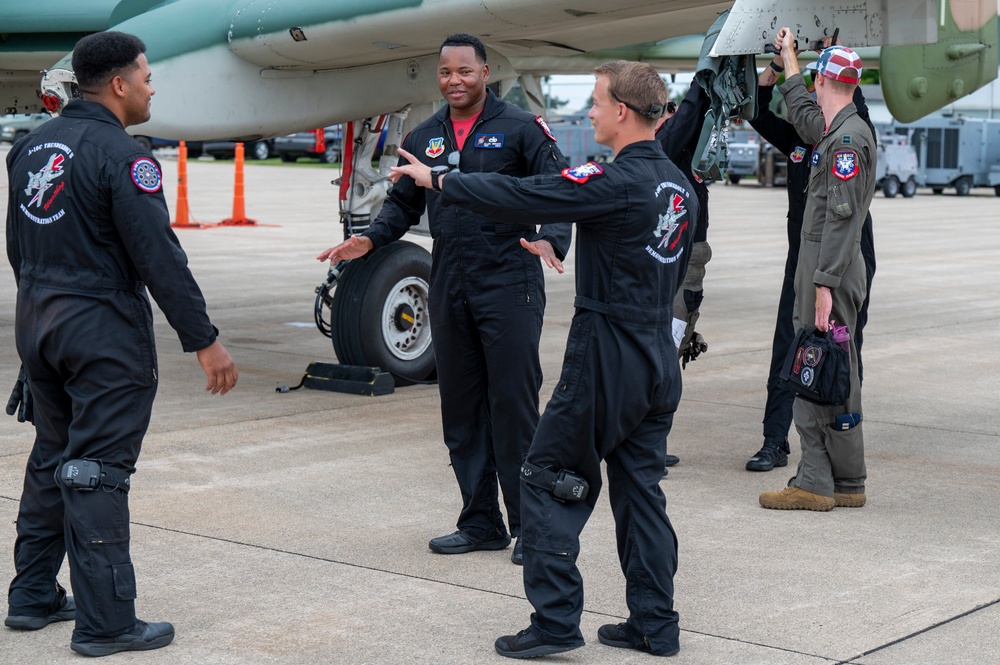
x,y
927,77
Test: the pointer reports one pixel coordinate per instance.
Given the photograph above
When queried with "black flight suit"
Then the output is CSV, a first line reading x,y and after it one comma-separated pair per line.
x,y
620,381
87,231
782,135
679,137
487,298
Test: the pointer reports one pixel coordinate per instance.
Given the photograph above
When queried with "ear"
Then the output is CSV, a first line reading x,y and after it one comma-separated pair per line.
x,y
486,71
118,85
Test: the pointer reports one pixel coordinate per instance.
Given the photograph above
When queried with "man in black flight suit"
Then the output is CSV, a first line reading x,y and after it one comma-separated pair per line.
x,y
679,136
487,293
620,382
87,231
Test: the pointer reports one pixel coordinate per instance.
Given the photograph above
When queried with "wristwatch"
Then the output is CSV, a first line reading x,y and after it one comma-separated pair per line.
x,y
436,173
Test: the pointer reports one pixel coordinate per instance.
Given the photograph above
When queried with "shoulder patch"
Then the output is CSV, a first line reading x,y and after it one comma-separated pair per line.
x,y
545,127
845,164
798,154
583,173
815,158
146,175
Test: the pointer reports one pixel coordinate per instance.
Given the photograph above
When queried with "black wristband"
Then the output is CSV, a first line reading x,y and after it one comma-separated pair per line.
x,y
777,68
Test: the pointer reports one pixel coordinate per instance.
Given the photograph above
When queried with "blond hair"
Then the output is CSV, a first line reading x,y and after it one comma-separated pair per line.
x,y
637,85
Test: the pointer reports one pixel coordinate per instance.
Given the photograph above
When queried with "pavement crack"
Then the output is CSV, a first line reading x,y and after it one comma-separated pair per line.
x,y
455,585
278,550
920,632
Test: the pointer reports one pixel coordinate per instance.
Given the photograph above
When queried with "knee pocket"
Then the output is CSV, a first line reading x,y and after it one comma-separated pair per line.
x,y
543,525
98,517
124,580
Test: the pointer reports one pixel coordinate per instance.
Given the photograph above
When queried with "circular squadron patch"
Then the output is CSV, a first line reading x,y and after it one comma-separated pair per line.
x,y
146,175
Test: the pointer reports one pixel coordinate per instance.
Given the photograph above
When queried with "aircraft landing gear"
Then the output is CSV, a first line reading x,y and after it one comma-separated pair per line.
x,y
378,304
380,314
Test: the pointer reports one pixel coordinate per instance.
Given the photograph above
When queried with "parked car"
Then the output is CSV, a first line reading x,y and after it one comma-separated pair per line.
x,y
152,143
303,144
253,150
13,128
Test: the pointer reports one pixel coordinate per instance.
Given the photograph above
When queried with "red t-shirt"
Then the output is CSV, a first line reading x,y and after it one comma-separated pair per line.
x,y
462,129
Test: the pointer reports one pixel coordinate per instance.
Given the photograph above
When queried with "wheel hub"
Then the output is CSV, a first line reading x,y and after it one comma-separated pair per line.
x,y
405,318
406,328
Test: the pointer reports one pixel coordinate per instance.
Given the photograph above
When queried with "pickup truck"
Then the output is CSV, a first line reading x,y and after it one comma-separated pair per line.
x,y
13,128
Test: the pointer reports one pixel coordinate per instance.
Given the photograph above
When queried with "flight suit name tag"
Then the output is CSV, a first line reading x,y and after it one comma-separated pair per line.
x,y
493,141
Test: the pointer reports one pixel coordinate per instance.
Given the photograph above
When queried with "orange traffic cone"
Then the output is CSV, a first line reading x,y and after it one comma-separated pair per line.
x,y
239,217
182,221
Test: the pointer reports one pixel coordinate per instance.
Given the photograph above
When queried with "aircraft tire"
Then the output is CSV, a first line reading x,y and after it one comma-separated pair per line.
x,y
890,187
909,188
733,179
380,313
342,311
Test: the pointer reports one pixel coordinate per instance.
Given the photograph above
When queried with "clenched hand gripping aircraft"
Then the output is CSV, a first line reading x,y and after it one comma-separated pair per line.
x,y
260,68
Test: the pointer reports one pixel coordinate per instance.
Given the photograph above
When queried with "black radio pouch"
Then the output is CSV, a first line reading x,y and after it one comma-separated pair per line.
x,y
564,485
88,474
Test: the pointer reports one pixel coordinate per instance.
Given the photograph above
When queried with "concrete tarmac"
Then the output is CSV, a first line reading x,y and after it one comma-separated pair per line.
x,y
293,528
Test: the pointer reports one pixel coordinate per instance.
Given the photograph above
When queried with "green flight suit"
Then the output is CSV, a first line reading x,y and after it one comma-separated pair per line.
x,y
841,186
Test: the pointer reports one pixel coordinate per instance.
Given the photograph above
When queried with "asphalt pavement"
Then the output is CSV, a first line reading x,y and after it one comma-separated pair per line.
x,y
293,528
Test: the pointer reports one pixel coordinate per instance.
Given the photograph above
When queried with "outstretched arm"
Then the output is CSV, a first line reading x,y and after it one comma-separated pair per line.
x,y
545,199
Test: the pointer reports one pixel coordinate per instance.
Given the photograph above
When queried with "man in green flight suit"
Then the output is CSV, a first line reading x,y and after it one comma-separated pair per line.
x,y
830,280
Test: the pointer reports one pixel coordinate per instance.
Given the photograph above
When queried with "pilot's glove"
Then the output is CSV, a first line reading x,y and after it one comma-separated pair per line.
x,y
695,348
20,401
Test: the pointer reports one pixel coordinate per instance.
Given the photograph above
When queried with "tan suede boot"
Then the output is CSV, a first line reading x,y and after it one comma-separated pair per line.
x,y
796,498
849,500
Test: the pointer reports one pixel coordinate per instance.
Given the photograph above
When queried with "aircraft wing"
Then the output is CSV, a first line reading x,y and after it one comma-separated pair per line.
x,y
252,69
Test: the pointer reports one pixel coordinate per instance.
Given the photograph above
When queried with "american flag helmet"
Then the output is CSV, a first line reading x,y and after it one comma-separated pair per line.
x,y
840,64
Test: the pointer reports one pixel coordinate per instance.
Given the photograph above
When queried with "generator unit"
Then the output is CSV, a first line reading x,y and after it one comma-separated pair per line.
x,y
955,152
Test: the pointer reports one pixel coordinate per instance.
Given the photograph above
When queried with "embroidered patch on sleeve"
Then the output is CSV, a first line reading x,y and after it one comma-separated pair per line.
x,y
846,139
845,164
583,173
545,127
146,175
798,154
815,158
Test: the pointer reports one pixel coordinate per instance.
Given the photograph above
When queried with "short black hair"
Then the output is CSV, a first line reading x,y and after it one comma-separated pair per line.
x,y
99,57
462,39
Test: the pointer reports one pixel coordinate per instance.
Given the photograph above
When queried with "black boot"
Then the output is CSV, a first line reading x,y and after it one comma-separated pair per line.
x,y
771,455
